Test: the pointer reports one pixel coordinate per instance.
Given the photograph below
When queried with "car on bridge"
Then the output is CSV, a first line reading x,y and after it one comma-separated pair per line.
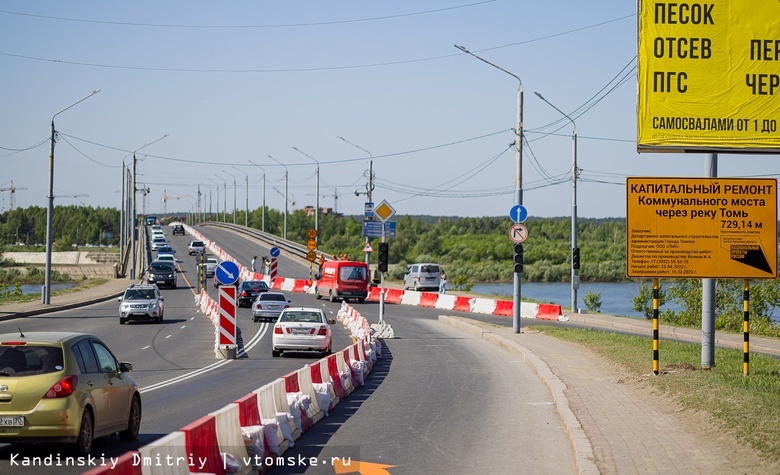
x,y
196,247
65,387
269,305
301,329
178,229
141,302
249,290
211,265
162,273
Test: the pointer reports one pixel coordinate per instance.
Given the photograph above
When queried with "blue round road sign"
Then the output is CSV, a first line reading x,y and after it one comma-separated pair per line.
x,y
518,213
226,273
275,252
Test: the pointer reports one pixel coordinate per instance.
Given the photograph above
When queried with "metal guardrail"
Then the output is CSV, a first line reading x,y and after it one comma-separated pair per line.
x,y
294,248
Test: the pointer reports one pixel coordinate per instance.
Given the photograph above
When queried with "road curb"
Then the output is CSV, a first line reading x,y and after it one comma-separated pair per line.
x,y
57,308
584,457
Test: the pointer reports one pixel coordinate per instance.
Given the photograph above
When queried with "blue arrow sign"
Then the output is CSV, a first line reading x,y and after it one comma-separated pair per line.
x,y
518,213
226,272
275,252
374,229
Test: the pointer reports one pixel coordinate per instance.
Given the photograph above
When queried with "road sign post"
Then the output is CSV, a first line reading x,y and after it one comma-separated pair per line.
x,y
227,321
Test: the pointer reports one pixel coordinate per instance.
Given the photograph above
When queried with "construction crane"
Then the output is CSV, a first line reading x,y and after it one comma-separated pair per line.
x,y
335,197
291,200
12,189
145,191
165,199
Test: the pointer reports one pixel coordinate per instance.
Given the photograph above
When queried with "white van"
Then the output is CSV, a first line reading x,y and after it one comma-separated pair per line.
x,y
422,277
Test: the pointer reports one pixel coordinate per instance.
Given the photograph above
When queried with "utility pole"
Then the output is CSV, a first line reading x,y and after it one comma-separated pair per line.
x,y
369,187
517,296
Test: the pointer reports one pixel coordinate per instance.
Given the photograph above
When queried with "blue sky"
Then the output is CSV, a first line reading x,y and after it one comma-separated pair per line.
x,y
239,81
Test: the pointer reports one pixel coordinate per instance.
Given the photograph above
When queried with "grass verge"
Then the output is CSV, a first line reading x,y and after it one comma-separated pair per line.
x,y
747,405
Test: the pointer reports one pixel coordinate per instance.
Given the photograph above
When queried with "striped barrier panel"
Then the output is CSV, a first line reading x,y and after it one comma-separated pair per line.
x,y
483,306
288,284
248,410
344,368
333,372
201,443
266,401
373,295
301,285
548,311
393,295
428,299
314,412
126,464
409,298
463,304
504,308
169,447
446,302
276,283
229,436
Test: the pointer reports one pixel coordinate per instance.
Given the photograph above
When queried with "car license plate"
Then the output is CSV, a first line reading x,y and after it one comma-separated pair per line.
x,y
300,331
273,307
12,421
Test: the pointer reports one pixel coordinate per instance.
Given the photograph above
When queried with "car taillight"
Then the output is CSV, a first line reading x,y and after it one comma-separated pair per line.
x,y
13,343
62,388
278,329
286,306
323,331
244,294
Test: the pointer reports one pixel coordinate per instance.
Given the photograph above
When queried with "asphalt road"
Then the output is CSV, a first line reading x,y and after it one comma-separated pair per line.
x,y
439,401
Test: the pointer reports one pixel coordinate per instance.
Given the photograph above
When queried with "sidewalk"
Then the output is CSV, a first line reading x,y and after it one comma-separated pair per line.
x,y
112,289
616,424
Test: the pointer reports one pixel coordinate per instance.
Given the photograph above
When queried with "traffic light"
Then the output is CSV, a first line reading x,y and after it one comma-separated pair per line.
x,y
518,259
384,249
575,258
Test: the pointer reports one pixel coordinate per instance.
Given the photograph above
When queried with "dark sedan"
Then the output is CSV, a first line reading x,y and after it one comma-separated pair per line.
x,y
249,290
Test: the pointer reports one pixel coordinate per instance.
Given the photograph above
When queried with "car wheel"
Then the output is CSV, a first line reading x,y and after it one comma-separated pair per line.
x,y
160,319
317,293
86,434
276,353
416,288
133,421
122,321
331,297
327,352
361,300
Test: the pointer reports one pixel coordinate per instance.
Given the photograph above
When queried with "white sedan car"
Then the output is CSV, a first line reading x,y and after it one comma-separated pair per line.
x,y
301,329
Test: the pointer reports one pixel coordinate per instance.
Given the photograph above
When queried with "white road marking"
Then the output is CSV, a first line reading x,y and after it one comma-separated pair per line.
x,y
251,344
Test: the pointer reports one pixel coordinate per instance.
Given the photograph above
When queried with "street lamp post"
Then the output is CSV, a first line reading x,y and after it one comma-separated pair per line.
x,y
50,212
134,213
517,299
575,279
286,188
317,192
246,216
369,185
234,193
262,227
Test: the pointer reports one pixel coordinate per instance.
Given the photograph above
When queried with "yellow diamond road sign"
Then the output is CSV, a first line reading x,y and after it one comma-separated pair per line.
x,y
384,211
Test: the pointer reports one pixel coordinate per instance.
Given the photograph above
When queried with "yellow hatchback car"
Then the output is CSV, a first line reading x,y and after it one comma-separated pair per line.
x,y
64,387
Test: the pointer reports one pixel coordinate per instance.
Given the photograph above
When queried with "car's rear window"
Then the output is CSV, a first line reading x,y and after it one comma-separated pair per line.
x,y
268,296
301,317
197,244
429,269
352,273
29,360
259,285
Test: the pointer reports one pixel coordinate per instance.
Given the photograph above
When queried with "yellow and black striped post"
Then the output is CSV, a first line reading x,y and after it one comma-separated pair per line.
x,y
655,326
746,328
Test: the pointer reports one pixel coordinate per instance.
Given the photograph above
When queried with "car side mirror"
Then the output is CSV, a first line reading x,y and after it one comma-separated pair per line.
x,y
125,367
119,299
162,298
331,321
289,301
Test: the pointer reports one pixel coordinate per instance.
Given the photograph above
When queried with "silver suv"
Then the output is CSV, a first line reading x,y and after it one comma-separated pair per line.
x,y
196,247
141,302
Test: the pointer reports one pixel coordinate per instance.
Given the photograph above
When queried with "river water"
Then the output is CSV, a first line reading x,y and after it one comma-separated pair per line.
x,y
617,298
37,288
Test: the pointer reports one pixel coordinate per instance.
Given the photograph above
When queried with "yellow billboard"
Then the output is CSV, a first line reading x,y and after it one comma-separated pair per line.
x,y
709,76
701,227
